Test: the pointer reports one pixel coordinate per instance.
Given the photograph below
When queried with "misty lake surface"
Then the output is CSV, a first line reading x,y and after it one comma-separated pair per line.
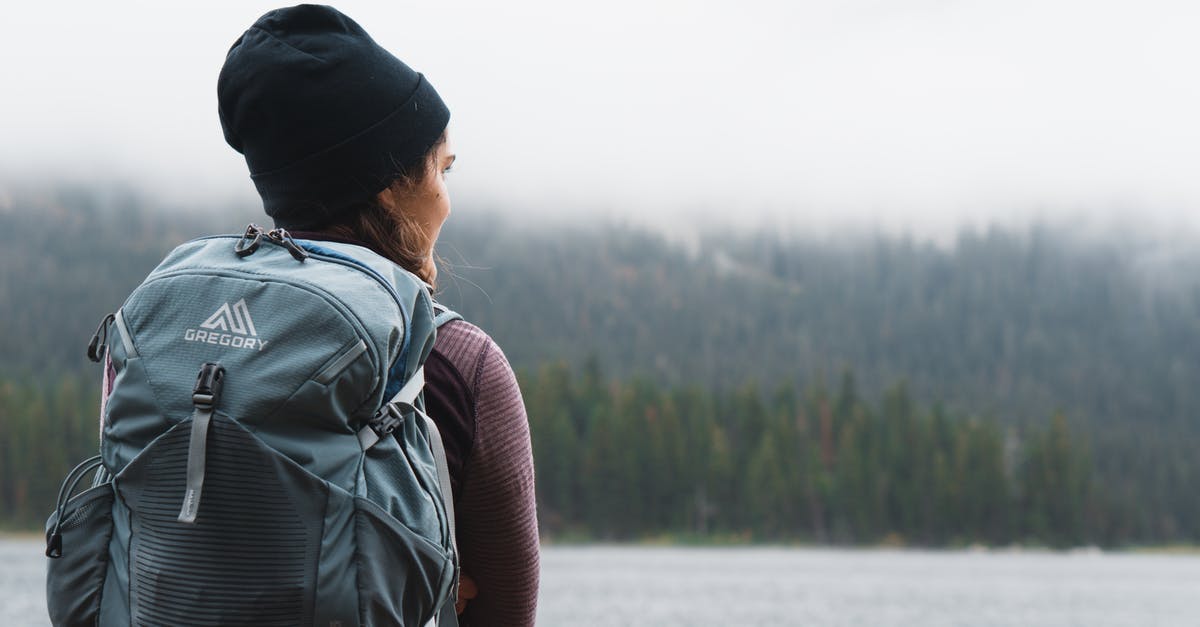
x,y
619,585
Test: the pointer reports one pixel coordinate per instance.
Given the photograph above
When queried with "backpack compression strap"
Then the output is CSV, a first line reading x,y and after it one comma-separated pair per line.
x,y
447,617
388,418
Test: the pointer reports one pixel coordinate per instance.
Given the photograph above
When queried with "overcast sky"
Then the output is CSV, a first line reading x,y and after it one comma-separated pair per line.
x,y
910,114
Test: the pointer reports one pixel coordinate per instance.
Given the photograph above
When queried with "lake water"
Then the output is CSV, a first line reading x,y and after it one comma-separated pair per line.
x,y
604,585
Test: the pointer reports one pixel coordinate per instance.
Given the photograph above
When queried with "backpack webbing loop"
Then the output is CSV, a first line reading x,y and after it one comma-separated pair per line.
x,y
205,395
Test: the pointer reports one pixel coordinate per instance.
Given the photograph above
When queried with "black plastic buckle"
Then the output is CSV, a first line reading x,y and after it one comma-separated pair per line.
x,y
54,544
208,386
386,421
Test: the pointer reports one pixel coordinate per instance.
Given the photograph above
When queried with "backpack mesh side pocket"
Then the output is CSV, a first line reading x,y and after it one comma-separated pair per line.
x,y
75,580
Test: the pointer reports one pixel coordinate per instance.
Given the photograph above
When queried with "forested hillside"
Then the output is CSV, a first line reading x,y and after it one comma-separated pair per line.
x,y
989,339
633,459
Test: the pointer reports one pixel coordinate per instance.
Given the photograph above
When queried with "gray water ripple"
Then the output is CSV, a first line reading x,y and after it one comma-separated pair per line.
x,y
672,586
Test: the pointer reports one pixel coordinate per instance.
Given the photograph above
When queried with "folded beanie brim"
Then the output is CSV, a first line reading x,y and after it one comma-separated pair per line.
x,y
312,191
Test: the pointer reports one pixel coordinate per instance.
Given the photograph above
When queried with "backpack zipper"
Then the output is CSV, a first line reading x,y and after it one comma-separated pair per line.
x,y
320,292
255,236
299,251
126,336
251,240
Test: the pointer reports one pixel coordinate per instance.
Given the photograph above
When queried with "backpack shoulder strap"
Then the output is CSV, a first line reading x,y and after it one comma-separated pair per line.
x,y
443,314
409,400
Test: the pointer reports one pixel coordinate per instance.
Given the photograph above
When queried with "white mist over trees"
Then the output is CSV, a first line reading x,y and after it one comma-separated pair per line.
x,y
916,116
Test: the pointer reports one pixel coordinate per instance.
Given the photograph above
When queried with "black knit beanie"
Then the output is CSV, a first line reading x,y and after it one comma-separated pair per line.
x,y
322,113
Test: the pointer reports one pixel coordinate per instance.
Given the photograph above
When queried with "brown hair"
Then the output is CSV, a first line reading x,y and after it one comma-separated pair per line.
x,y
393,232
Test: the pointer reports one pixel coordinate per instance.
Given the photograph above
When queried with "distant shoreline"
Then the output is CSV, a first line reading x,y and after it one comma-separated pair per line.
x,y
1191,550
735,542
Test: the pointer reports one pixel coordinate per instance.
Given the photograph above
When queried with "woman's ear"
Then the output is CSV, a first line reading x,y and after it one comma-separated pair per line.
x,y
387,198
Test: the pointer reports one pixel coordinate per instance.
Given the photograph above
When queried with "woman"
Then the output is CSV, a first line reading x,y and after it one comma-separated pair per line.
x,y
346,143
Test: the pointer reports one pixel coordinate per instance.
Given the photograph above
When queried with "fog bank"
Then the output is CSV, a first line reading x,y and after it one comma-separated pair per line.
x,y
904,117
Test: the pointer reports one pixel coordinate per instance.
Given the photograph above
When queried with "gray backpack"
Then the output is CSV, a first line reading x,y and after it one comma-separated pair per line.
x,y
264,456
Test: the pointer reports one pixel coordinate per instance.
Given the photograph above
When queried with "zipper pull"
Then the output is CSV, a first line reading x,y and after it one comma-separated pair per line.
x,y
249,241
99,344
283,238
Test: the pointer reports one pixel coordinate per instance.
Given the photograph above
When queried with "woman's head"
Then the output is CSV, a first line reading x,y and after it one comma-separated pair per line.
x,y
333,126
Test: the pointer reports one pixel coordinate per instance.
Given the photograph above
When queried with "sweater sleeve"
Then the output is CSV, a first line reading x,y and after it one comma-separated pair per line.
x,y
497,513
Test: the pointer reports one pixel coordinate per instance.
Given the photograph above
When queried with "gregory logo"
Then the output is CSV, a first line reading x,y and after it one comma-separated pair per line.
x,y
228,326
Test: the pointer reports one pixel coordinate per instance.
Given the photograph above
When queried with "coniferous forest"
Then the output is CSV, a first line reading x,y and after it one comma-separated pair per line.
x,y
1032,385
632,460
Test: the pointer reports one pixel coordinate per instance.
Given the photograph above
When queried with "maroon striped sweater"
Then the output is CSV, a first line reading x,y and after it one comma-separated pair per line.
x,y
471,393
